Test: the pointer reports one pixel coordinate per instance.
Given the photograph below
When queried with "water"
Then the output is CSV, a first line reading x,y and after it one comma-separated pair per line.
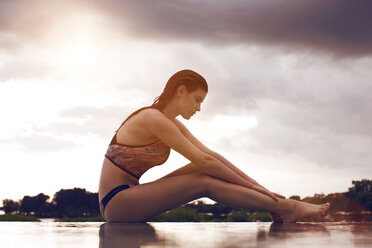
x,y
54,234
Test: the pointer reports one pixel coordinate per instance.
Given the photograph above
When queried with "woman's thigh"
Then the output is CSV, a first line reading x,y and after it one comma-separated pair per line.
x,y
186,169
140,203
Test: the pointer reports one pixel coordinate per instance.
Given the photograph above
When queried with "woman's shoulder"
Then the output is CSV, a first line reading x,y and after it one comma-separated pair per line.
x,y
140,121
150,113
153,121
150,116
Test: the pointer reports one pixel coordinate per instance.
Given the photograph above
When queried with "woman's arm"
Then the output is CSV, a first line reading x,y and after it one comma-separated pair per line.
x,y
239,172
219,157
166,130
205,149
234,168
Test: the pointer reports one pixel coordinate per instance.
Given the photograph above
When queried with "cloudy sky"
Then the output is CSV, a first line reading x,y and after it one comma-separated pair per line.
x,y
289,101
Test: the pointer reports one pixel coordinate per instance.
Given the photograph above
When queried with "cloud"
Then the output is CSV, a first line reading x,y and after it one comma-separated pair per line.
x,y
255,55
85,120
339,27
287,129
312,107
24,68
40,143
32,19
74,123
302,90
37,37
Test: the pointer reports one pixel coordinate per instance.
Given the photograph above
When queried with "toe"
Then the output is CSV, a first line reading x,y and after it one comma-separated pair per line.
x,y
327,205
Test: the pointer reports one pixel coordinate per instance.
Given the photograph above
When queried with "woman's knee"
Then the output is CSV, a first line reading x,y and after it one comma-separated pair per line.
x,y
206,182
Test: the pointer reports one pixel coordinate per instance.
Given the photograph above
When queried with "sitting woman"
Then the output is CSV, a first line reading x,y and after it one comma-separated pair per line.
x,y
144,140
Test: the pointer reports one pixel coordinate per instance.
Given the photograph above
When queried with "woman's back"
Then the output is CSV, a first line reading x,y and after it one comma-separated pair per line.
x,y
133,132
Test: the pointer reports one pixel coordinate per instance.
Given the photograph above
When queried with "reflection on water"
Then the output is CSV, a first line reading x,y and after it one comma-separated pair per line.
x,y
127,235
235,235
114,235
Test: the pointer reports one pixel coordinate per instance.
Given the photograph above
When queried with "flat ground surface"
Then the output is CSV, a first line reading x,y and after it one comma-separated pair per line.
x,y
54,234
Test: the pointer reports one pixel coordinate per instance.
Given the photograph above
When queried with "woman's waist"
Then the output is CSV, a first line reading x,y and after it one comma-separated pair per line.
x,y
111,177
114,173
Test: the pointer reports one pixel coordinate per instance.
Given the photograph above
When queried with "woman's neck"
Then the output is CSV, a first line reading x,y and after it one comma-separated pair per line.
x,y
171,110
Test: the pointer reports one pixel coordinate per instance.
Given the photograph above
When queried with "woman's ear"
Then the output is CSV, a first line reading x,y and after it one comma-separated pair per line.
x,y
181,90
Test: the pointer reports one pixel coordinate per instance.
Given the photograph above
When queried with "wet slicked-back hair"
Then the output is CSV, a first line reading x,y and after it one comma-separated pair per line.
x,y
190,79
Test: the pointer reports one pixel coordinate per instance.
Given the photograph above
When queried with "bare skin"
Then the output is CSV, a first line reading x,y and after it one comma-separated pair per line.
x,y
208,175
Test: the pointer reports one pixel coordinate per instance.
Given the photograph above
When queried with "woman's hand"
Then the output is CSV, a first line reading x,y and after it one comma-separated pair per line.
x,y
266,192
279,195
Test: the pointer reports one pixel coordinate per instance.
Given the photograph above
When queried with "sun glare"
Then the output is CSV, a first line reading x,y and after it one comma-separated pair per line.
x,y
75,43
79,56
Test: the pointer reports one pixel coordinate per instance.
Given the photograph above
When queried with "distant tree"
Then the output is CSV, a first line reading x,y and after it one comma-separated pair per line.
x,y
259,216
93,205
238,215
295,197
366,199
10,206
75,202
362,186
316,199
27,205
361,192
218,209
200,207
34,205
180,214
339,202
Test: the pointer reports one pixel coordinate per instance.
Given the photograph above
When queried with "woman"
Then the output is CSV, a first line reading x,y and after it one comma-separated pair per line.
x,y
144,140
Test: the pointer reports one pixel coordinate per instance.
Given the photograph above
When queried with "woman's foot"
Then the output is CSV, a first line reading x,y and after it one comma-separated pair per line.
x,y
275,217
302,210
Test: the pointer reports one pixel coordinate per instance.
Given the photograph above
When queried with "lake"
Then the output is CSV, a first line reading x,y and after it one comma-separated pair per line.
x,y
249,234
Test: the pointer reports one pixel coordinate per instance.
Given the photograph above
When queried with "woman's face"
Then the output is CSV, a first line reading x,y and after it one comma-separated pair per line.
x,y
191,102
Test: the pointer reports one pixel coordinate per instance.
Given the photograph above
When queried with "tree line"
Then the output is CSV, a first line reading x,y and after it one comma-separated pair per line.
x,y
71,203
355,204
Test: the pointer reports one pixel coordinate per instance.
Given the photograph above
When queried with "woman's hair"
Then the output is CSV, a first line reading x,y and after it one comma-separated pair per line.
x,y
190,79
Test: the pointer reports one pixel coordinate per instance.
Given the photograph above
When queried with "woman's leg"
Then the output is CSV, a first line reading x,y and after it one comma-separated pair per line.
x,y
187,169
190,168
144,201
140,203
240,197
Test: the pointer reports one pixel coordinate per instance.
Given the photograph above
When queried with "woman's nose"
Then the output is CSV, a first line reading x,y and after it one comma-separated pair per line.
x,y
198,107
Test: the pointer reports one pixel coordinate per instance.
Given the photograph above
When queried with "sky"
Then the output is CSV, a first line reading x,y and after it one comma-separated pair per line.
x,y
289,99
